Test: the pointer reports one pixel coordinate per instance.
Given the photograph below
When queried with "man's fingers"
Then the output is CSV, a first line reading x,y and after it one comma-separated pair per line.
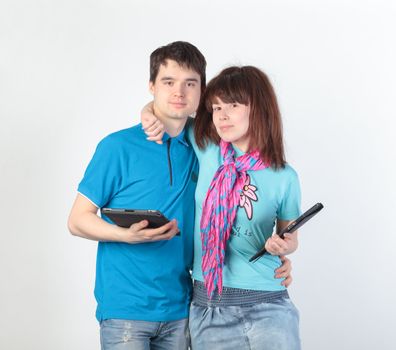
x,y
282,273
286,265
154,128
280,270
165,236
171,226
140,225
146,125
168,235
287,281
172,231
155,137
284,270
156,133
149,125
140,232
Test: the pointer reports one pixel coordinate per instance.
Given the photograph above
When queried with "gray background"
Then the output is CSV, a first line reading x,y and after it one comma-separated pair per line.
x,y
73,71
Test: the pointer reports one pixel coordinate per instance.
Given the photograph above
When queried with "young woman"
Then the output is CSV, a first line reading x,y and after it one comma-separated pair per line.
x,y
245,189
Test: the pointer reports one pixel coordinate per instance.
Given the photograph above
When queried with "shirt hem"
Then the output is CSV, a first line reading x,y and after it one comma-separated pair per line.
x,y
141,317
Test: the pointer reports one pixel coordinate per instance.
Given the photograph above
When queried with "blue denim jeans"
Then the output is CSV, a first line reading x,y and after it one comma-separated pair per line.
x,y
271,325
118,334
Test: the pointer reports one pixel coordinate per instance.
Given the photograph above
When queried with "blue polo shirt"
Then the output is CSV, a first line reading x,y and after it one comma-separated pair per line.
x,y
145,281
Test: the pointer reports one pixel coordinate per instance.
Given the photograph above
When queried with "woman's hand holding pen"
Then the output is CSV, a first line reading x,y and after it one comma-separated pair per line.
x,y
278,246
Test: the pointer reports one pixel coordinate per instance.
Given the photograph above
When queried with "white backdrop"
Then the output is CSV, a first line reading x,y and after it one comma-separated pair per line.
x,y
73,71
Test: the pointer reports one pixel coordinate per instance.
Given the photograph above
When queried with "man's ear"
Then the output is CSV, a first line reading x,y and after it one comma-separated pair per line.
x,y
151,87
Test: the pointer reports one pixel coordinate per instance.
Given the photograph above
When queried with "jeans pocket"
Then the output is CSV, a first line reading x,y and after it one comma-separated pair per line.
x,y
115,331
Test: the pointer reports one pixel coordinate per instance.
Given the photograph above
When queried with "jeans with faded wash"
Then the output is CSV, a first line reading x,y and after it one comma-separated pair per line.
x,y
116,334
272,325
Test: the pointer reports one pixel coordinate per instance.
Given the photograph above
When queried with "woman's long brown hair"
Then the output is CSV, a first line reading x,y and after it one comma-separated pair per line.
x,y
247,85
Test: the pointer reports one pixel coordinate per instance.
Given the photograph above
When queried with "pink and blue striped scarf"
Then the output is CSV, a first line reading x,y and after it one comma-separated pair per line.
x,y
219,210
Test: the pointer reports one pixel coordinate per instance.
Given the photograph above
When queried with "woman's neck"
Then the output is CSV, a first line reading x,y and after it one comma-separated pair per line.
x,y
242,145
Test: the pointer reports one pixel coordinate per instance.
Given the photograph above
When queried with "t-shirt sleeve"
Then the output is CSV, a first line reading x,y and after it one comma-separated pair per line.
x,y
103,175
290,207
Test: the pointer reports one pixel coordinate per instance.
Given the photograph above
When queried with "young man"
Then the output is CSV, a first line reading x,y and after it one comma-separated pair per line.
x,y
143,282
143,290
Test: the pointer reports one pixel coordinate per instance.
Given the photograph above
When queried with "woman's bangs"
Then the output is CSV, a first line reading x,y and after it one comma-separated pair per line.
x,y
227,90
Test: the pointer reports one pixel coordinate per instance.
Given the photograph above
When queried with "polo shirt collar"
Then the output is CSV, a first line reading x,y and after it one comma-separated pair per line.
x,y
181,137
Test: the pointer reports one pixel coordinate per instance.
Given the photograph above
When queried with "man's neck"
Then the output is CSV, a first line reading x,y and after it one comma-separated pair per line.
x,y
173,127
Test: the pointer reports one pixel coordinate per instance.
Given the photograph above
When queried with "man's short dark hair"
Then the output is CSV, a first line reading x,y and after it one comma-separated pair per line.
x,y
184,53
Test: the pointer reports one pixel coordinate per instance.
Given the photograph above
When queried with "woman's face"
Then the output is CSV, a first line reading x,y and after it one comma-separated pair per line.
x,y
232,123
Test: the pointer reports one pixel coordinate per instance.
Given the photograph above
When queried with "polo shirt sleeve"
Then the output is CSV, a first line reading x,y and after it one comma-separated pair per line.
x,y
102,177
289,208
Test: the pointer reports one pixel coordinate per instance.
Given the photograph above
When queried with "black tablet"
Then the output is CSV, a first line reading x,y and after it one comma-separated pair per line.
x,y
127,217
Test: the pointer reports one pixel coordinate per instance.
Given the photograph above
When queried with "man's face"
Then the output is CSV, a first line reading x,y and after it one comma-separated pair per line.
x,y
176,91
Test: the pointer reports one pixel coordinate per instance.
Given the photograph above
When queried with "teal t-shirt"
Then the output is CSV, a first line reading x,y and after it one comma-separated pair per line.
x,y
268,195
145,281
